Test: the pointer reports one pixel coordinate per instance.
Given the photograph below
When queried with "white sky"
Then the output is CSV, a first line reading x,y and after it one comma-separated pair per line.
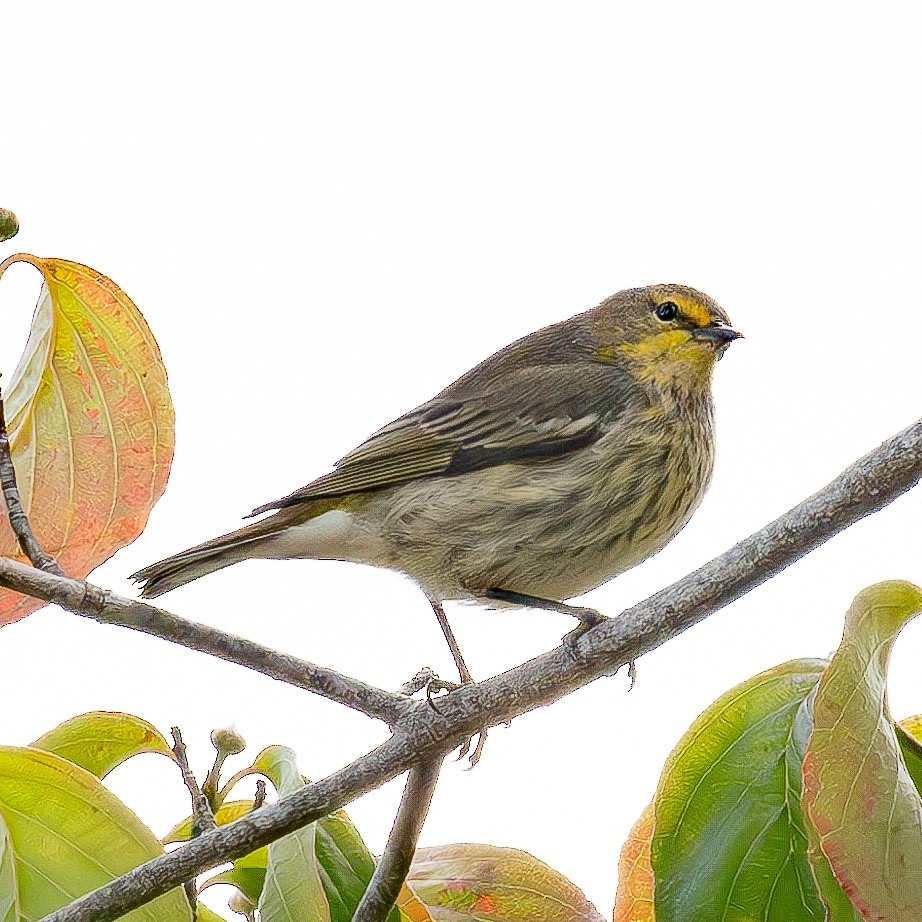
x,y
328,211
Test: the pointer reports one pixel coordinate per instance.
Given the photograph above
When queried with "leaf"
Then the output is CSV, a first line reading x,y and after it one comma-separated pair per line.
x,y
634,899
729,839
410,909
463,882
857,790
228,812
908,734
292,889
913,727
90,422
346,865
204,914
101,740
248,874
63,834
9,891
837,904
280,765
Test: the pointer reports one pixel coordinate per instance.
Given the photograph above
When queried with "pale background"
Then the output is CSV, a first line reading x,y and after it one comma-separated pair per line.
x,y
327,211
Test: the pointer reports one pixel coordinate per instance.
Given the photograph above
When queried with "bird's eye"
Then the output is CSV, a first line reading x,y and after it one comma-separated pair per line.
x,y
667,311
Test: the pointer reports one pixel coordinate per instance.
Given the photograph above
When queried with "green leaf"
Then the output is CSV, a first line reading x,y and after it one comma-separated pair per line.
x,y
908,733
729,841
249,872
9,892
345,863
292,889
280,765
227,813
465,882
346,867
858,792
204,914
100,740
64,834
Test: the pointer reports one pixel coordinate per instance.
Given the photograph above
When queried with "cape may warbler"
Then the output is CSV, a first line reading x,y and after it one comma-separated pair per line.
x,y
556,464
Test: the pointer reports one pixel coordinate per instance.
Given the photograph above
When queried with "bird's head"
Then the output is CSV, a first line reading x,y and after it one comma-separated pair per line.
x,y
670,334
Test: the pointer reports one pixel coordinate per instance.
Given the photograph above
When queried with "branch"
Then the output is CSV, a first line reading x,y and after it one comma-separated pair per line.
x,y
19,522
90,601
421,734
389,876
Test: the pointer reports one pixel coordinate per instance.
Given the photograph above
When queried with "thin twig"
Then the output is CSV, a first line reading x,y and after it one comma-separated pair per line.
x,y
868,485
389,876
260,798
19,521
90,601
202,817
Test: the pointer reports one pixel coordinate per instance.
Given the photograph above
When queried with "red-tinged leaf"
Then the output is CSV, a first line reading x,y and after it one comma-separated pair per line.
x,y
101,740
464,882
858,793
836,905
634,899
410,908
90,421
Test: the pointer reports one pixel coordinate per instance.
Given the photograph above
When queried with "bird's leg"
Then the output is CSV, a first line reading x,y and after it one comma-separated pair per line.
x,y
588,617
463,671
437,685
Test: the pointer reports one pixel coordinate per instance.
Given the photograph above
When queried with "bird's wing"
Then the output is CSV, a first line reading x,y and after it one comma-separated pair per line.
x,y
530,414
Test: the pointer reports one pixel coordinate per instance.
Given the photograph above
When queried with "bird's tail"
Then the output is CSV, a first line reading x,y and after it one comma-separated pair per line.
x,y
224,551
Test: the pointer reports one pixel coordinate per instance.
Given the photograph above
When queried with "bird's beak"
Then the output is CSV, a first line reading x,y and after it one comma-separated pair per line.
x,y
717,335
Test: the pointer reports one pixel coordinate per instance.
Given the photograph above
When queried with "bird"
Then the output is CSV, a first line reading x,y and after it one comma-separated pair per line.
x,y
559,462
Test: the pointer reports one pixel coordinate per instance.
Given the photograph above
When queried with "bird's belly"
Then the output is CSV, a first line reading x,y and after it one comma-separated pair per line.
x,y
554,530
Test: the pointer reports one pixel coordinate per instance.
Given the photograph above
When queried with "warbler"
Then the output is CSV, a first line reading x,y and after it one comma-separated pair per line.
x,y
561,461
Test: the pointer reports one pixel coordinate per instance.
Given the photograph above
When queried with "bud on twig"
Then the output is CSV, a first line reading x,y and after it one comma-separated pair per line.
x,y
9,224
228,742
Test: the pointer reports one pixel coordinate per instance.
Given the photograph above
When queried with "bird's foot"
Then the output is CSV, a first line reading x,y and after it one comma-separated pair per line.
x,y
588,619
474,757
429,680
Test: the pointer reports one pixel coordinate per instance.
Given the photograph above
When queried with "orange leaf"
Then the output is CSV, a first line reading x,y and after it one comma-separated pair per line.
x,y
634,899
90,422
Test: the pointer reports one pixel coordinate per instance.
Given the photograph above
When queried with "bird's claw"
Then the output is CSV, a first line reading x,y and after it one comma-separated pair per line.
x,y
478,749
632,674
420,681
429,679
